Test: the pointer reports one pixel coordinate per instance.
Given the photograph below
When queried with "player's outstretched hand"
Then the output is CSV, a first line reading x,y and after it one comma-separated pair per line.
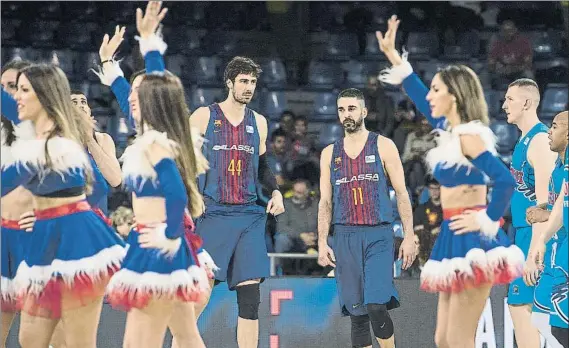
x,y
408,251
27,221
326,255
154,14
109,45
276,204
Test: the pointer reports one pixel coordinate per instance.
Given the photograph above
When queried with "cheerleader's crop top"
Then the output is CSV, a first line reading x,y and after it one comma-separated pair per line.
x,y
25,164
161,180
446,161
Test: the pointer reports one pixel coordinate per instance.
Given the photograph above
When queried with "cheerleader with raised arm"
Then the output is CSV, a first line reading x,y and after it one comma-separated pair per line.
x,y
72,253
472,253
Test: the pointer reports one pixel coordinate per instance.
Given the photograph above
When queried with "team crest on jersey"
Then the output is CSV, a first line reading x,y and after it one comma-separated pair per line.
x,y
217,126
337,163
525,182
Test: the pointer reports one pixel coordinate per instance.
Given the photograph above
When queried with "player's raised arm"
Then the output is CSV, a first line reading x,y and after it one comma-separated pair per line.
x,y
325,253
394,169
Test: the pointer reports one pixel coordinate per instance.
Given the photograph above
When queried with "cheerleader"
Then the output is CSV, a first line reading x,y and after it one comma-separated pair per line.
x,y
72,253
472,253
17,208
160,271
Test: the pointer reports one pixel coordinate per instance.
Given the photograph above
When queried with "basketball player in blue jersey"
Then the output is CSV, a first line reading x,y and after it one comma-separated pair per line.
x,y
531,167
542,297
355,199
558,219
233,225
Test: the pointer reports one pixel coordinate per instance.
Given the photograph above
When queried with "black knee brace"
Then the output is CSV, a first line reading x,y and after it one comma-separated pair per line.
x,y
562,335
380,320
248,300
361,335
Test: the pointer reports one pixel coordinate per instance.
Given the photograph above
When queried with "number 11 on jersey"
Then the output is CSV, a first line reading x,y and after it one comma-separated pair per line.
x,y
358,195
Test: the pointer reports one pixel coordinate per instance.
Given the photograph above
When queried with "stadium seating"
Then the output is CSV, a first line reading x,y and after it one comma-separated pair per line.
x,y
273,104
323,75
554,100
507,136
422,45
325,107
204,96
274,73
329,133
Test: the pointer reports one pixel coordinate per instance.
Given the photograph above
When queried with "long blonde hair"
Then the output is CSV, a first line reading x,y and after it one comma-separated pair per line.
x,y
52,89
465,86
163,106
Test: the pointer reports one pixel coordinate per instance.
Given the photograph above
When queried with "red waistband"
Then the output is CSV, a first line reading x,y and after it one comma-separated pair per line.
x,y
139,227
62,210
448,213
13,224
102,215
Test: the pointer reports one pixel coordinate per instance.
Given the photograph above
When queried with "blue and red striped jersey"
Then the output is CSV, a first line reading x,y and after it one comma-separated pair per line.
x,y
233,155
360,193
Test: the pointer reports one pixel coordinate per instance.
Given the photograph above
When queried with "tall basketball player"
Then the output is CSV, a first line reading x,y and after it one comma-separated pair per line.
x,y
542,305
355,199
532,165
233,225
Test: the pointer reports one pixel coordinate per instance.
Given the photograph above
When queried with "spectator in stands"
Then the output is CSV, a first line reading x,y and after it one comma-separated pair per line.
x,y
380,116
297,226
358,21
286,123
427,219
304,159
276,158
510,56
122,219
405,118
418,142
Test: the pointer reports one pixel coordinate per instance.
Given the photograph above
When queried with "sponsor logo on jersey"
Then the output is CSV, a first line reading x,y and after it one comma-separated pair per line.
x,y
522,186
360,177
370,159
246,148
249,129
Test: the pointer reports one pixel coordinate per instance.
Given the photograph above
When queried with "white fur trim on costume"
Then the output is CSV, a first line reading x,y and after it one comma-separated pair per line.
x,y
488,227
192,279
66,155
109,72
167,246
206,260
396,74
152,43
33,279
7,290
448,151
443,272
25,130
135,161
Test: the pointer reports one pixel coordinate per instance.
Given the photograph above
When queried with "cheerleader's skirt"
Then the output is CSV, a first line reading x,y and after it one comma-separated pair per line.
x,y
469,260
70,258
14,241
148,274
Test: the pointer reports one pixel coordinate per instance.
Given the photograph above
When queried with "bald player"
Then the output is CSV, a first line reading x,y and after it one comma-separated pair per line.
x,y
532,165
543,308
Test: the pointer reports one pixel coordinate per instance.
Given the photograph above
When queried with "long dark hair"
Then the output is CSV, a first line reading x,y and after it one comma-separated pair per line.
x,y
163,106
7,126
52,89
